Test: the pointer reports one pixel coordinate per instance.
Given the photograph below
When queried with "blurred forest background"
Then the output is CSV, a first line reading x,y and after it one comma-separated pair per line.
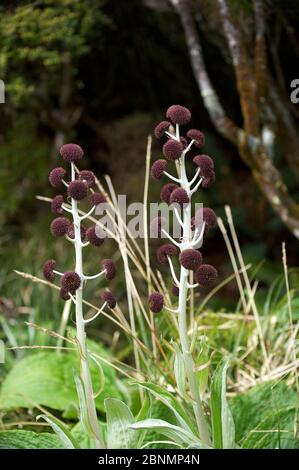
x,y
102,72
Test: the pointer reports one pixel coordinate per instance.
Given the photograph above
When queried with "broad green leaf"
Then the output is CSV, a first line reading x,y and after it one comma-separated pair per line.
x,y
175,433
119,421
47,379
222,420
29,440
65,436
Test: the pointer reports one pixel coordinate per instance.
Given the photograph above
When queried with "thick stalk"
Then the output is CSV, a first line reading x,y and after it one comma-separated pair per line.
x,y
81,335
182,319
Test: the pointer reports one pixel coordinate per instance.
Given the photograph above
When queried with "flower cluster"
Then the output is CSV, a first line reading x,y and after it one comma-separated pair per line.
x,y
178,194
79,188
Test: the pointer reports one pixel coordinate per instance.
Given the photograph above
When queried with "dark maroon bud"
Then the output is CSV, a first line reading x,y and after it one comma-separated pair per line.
x,y
97,198
184,142
110,268
156,302
190,259
56,176
166,191
209,217
197,136
71,152
179,196
108,297
71,232
178,114
157,225
161,128
64,295
205,163
70,282
95,235
48,269
175,290
209,181
158,168
206,275
87,177
56,204
165,251
172,149
77,190
59,226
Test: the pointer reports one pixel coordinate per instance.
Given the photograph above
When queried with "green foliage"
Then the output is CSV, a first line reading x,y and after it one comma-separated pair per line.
x,y
29,440
119,421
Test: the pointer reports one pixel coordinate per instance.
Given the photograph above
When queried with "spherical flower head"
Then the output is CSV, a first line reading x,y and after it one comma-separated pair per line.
x,y
77,190
108,297
156,226
70,282
165,251
178,114
161,128
71,152
209,217
56,176
110,268
95,235
59,226
156,302
206,165
158,168
206,275
209,181
56,204
97,198
64,295
166,191
172,149
71,232
48,269
175,290
87,177
197,136
190,259
179,196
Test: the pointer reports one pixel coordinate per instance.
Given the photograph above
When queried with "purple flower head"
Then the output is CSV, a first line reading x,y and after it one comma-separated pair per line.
x,y
206,165
206,275
156,226
97,198
166,191
172,149
164,251
64,295
108,297
197,136
209,217
156,302
56,204
70,282
158,168
178,114
190,259
71,152
56,176
59,226
48,269
95,235
175,290
161,128
179,196
209,181
77,190
87,177
110,268
71,232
